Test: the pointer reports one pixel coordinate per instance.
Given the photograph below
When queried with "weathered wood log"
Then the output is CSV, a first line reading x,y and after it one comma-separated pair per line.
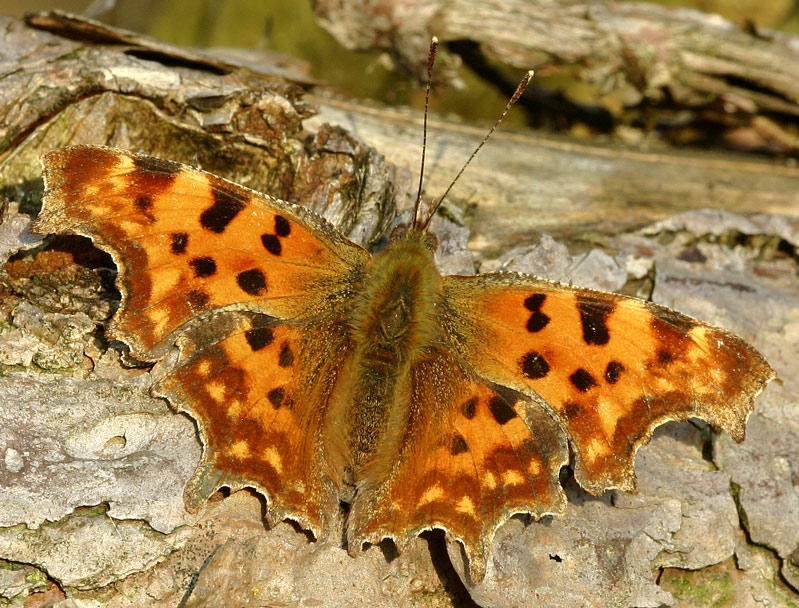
x,y
624,54
524,183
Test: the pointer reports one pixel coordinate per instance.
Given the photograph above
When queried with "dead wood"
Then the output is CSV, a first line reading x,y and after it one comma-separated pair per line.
x,y
625,55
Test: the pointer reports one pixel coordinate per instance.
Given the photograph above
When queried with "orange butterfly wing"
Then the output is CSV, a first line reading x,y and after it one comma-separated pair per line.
x,y
611,368
472,455
260,418
187,242
246,284
527,364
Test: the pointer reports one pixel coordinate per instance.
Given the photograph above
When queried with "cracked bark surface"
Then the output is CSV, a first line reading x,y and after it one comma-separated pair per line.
x,y
93,468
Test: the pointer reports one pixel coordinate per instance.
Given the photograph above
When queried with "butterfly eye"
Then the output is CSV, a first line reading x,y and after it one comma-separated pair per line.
x,y
398,233
431,241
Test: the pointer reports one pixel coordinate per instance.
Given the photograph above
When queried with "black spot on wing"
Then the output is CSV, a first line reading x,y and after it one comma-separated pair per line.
x,y
252,281
533,365
144,204
458,446
500,410
594,316
179,242
282,226
533,303
582,380
272,244
275,397
613,371
665,357
217,217
537,322
197,299
286,356
259,337
468,408
203,267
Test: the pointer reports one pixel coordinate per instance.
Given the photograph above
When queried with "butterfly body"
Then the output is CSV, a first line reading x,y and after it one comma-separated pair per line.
x,y
392,321
318,373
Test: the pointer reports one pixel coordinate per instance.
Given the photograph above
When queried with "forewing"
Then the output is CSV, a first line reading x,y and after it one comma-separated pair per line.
x,y
611,367
187,242
471,456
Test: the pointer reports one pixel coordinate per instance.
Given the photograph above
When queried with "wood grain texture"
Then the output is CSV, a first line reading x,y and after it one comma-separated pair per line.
x,y
625,51
526,183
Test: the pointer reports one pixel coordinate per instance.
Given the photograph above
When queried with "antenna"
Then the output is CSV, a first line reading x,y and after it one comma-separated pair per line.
x,y
514,98
431,59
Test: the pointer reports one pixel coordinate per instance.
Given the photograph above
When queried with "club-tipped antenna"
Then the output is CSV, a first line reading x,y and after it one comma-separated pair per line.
x,y
431,59
514,98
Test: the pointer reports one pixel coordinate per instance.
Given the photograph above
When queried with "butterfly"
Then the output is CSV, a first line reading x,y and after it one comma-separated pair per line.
x,y
319,373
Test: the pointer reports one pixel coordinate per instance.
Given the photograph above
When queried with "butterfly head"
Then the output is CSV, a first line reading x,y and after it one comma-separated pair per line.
x,y
419,233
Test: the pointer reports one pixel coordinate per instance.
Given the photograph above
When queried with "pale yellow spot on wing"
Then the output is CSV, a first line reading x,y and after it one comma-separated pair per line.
x,y
216,390
695,358
512,478
234,409
534,468
608,418
272,456
516,428
703,346
90,191
661,384
240,450
203,367
489,480
159,316
699,334
465,505
595,449
431,494
167,281
124,164
129,226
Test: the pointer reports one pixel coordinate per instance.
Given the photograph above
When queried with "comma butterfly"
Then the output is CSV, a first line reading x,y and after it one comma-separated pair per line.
x,y
318,373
